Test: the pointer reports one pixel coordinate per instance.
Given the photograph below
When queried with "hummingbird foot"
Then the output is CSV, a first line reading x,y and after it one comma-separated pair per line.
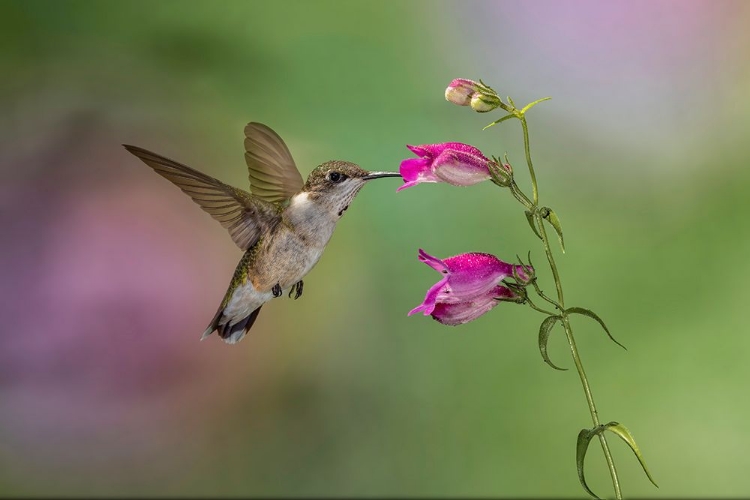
x,y
276,290
296,289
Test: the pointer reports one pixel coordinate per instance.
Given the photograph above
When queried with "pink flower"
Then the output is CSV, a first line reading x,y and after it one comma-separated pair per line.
x,y
452,162
469,288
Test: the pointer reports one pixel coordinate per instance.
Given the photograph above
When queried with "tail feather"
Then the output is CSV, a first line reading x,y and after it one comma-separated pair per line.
x,y
231,333
213,325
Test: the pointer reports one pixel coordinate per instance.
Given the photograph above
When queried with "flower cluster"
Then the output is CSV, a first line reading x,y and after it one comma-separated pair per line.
x,y
472,284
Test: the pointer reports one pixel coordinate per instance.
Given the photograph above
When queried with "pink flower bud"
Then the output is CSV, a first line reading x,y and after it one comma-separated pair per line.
x,y
460,91
482,103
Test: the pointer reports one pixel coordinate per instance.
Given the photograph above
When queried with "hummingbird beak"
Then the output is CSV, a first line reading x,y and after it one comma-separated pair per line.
x,y
378,175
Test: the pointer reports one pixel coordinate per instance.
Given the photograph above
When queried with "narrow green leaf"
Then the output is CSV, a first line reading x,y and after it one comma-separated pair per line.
x,y
554,220
624,433
532,104
584,438
506,117
544,330
592,315
530,218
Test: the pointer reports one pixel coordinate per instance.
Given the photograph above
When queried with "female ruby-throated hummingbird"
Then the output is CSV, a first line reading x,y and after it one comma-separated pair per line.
x,y
282,224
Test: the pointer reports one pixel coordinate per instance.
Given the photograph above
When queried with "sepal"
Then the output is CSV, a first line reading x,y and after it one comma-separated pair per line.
x,y
501,174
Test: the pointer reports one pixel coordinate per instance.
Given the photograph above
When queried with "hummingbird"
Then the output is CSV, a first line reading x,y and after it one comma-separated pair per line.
x,y
283,224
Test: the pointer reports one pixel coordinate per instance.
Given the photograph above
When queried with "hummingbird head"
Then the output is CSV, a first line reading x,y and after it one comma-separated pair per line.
x,y
336,183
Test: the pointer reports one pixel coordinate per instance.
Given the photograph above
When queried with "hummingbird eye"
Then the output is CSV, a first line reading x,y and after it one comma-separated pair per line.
x,y
336,177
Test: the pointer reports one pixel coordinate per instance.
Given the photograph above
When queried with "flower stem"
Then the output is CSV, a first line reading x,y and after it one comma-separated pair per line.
x,y
536,308
566,324
577,359
527,149
542,295
520,196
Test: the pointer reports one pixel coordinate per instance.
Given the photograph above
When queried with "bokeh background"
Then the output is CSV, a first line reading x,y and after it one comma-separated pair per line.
x,y
108,274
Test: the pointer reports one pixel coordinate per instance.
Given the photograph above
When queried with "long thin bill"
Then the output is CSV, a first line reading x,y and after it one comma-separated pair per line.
x,y
378,175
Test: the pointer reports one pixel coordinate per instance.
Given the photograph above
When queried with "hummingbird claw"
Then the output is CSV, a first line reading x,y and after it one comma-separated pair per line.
x,y
296,289
276,290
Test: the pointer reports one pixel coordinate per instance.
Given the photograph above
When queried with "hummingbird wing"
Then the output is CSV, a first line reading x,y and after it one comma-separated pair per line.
x,y
273,175
243,215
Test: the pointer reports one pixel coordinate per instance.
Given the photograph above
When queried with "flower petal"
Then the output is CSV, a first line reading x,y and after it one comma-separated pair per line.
x,y
418,150
407,185
460,147
435,263
463,312
414,171
428,304
461,168
474,274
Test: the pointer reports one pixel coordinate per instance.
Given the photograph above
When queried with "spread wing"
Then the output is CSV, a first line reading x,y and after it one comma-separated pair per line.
x,y
273,175
244,216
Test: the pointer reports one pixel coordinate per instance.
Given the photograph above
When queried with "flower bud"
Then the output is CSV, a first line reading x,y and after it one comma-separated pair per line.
x,y
460,91
482,103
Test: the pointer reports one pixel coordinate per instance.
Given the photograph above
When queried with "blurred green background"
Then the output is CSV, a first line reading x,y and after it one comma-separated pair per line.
x,y
110,274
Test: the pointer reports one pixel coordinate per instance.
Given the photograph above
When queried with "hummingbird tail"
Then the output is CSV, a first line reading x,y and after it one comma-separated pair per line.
x,y
231,333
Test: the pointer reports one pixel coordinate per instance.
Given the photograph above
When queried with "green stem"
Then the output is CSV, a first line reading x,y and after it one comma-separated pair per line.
x,y
527,148
534,306
577,357
542,295
561,304
520,196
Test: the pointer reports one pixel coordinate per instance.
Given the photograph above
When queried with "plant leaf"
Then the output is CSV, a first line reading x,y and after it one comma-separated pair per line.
x,y
506,117
624,433
592,315
582,445
544,330
554,220
532,104
530,218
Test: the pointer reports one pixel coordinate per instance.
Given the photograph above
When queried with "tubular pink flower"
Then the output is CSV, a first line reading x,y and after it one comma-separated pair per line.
x,y
468,288
452,162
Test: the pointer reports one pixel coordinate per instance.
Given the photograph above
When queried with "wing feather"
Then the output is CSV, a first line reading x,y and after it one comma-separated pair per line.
x,y
273,175
243,215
